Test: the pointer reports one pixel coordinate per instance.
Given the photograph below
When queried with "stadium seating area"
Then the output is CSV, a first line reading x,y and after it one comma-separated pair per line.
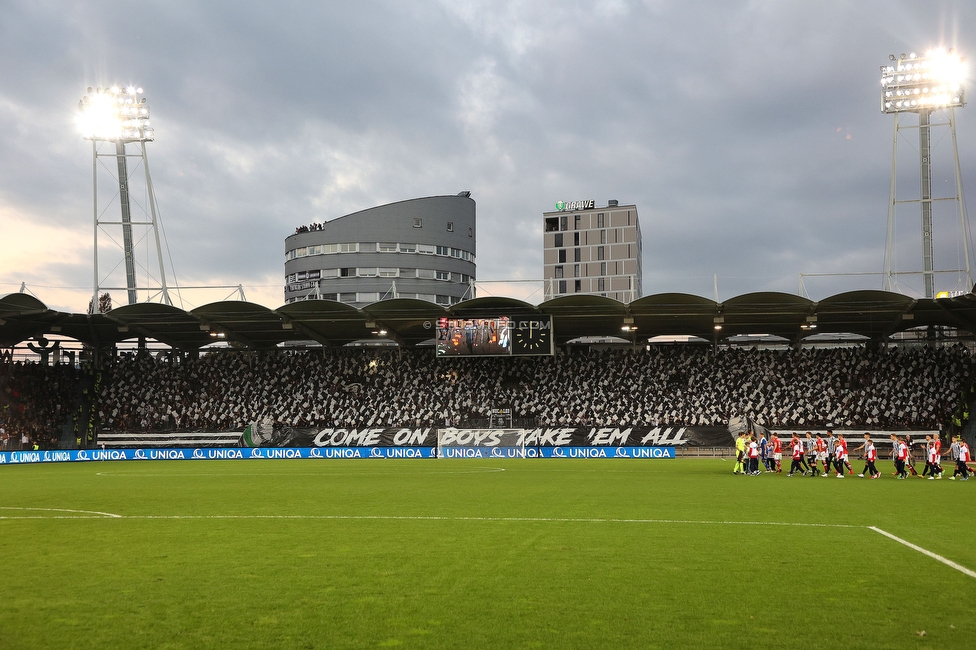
x,y
35,400
911,388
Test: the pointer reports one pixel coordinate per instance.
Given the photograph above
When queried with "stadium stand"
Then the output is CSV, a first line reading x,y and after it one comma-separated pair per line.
x,y
910,388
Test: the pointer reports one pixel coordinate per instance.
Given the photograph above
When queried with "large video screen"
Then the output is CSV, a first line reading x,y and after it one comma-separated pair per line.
x,y
501,336
482,337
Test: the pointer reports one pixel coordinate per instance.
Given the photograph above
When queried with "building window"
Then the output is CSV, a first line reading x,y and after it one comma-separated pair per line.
x,y
347,273
384,247
603,236
576,255
429,297
425,274
559,271
576,270
330,296
599,220
564,223
418,222
576,222
562,255
575,239
450,226
349,248
443,250
599,252
330,273
603,268
367,272
600,284
389,272
442,275
443,300
578,286
552,224
559,240
562,286
347,297
368,297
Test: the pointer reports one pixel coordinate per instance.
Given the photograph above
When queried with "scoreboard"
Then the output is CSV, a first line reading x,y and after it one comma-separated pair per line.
x,y
500,336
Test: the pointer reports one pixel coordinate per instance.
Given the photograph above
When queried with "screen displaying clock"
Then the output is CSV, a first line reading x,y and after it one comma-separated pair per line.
x,y
532,335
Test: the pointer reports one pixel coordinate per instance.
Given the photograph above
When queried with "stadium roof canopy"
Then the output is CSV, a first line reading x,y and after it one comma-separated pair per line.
x,y
874,314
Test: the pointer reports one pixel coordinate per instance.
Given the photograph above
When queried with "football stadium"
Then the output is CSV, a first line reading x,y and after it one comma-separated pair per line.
x,y
397,457
546,493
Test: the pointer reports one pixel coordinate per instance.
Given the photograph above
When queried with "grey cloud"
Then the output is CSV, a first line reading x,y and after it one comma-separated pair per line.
x,y
727,123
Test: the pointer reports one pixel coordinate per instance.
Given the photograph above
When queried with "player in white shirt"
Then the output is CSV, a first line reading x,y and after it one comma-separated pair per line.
x,y
933,456
964,458
870,456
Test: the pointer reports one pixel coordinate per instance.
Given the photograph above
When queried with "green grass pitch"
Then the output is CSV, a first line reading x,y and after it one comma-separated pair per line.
x,y
478,554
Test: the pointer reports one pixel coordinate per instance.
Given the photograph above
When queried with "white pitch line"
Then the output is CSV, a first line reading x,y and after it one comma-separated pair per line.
x,y
84,512
444,518
934,556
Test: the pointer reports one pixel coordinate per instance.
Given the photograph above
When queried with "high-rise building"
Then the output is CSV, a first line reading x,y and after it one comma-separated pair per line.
x,y
419,248
591,250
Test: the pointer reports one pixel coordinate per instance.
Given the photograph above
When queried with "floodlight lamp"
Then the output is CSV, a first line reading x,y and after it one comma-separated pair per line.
x,y
108,115
926,83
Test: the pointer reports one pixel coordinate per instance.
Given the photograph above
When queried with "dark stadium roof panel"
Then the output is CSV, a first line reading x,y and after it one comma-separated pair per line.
x,y
674,314
875,314
411,321
870,313
254,325
329,322
584,315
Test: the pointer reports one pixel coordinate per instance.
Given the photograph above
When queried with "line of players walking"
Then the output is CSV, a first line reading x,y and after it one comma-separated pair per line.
x,y
809,453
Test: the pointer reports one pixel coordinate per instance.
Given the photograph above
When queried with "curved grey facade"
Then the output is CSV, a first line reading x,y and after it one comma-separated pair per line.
x,y
419,248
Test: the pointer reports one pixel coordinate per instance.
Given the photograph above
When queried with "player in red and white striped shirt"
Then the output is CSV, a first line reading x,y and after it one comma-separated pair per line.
x,y
796,452
901,457
840,456
777,453
821,446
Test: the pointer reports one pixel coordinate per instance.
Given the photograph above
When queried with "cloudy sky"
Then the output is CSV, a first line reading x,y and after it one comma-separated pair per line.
x,y
747,133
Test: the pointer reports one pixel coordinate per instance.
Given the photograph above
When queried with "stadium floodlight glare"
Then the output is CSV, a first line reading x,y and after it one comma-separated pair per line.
x,y
925,85
115,114
913,83
116,120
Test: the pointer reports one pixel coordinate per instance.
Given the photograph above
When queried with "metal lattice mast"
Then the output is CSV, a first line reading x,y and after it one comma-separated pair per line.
x,y
923,85
120,117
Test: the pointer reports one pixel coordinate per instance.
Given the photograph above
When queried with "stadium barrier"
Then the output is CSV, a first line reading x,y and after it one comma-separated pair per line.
x,y
311,453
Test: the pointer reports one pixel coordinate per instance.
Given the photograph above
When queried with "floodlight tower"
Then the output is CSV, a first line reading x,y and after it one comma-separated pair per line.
x,y
116,118
924,85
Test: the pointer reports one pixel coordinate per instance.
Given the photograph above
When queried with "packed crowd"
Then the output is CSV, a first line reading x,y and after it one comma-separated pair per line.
x,y
662,386
34,402
808,453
